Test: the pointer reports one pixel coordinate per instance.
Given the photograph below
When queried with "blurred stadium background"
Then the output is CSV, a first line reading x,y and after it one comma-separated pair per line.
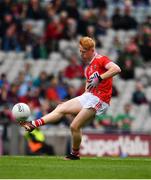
x,y
40,65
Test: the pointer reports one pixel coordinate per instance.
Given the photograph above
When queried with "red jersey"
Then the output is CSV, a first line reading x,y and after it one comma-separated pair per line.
x,y
104,89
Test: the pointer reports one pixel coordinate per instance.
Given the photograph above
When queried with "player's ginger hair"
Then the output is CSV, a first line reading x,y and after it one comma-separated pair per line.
x,y
87,42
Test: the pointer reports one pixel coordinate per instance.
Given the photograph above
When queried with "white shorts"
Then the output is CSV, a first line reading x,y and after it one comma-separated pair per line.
x,y
88,100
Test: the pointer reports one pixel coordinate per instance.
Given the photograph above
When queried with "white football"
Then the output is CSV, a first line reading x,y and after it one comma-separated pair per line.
x,y
21,111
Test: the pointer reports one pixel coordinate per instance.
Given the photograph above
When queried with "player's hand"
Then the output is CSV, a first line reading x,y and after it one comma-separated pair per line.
x,y
94,81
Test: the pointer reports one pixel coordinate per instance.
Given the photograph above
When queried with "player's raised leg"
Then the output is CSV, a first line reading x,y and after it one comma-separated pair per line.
x,y
72,106
80,120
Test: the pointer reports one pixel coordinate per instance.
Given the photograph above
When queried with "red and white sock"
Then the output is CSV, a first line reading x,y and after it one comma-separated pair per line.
x,y
75,152
38,122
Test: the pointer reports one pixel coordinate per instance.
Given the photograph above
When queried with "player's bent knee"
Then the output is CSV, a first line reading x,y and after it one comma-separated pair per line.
x,y
74,127
61,109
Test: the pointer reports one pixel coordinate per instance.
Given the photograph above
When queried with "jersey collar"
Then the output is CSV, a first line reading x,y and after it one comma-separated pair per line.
x,y
95,54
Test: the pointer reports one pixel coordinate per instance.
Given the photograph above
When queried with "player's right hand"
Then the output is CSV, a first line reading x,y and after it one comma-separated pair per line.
x,y
94,81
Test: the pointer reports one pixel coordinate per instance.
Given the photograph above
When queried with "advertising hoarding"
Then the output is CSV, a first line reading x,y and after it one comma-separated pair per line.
x,y
115,145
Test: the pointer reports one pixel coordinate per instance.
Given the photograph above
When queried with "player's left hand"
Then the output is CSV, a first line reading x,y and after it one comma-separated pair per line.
x,y
94,81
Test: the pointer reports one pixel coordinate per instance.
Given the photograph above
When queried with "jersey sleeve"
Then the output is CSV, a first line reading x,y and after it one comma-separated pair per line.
x,y
105,60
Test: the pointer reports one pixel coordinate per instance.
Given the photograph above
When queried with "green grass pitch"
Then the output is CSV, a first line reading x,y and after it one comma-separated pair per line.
x,y
46,167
